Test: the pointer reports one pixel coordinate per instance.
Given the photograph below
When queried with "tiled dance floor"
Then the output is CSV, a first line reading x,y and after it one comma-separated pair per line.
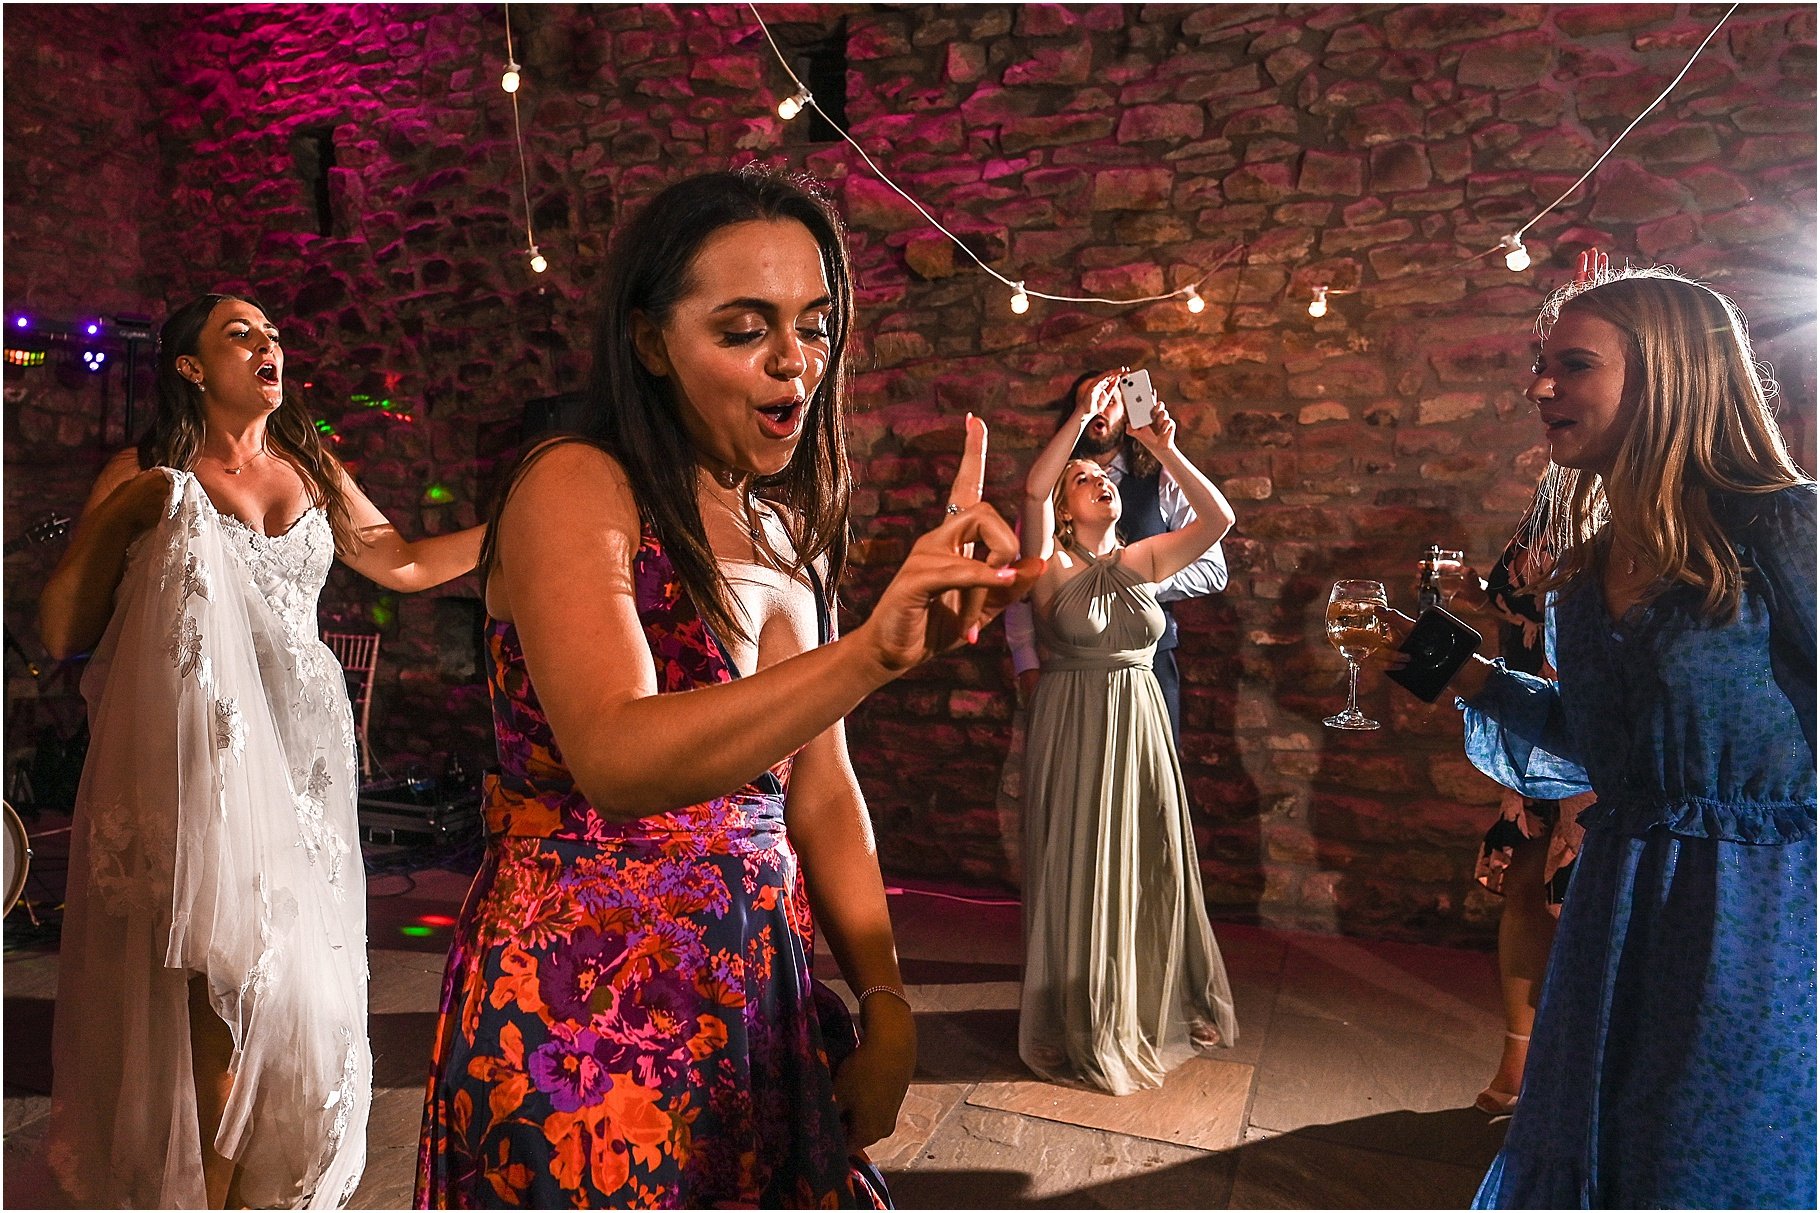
x,y
1350,1086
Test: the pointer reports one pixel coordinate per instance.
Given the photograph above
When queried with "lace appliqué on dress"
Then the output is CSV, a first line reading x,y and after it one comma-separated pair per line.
x,y
230,727
122,870
320,841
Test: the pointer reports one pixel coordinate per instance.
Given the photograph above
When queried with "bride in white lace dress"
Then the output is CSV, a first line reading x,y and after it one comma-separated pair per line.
x,y
210,1041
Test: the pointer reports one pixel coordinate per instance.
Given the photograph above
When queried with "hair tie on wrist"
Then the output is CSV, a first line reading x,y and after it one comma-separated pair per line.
x,y
896,993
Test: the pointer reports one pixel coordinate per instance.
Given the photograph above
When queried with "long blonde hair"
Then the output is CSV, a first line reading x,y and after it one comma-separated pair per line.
x,y
1701,424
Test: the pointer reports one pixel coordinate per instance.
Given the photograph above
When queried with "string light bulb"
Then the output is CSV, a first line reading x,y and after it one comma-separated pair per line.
x,y
1196,304
1515,255
538,264
1318,306
793,105
509,81
1020,302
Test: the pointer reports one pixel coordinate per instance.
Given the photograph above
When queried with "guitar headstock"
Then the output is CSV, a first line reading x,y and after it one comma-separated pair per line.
x,y
47,528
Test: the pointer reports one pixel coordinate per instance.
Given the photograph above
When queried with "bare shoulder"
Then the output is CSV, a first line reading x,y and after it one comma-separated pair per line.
x,y
114,473
573,480
118,470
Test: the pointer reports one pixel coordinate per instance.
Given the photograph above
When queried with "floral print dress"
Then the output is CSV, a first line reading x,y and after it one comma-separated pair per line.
x,y
628,1017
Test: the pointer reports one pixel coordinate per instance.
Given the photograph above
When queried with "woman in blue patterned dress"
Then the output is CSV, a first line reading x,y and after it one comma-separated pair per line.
x,y
1673,1055
628,1016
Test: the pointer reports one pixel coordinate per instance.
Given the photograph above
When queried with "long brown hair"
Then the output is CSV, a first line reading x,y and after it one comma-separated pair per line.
x,y
632,415
174,438
1701,427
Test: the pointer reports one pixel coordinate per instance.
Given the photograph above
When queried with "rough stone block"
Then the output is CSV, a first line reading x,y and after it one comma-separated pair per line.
x,y
1449,406
1148,122
1386,122
1507,63
1266,120
1132,189
1023,134
966,62
1324,173
1399,166
1286,64
1430,25
1259,183
1624,193
1053,65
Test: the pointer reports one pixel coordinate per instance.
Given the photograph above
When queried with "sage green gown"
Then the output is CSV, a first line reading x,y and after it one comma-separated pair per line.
x,y
1120,962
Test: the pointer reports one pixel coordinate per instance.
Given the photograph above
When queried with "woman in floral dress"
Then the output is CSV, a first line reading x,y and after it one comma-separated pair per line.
x,y
628,1014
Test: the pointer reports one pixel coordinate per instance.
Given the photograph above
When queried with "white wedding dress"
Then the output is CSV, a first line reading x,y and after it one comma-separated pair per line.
x,y
215,836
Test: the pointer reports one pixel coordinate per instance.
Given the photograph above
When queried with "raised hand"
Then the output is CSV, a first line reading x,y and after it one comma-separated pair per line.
x,y
1097,399
1159,435
941,595
1592,264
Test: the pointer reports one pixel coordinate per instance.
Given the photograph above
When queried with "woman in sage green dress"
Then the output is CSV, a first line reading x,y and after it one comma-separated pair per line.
x,y
1122,978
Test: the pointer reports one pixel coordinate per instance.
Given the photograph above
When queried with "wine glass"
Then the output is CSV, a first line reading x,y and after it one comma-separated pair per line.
x,y
1353,627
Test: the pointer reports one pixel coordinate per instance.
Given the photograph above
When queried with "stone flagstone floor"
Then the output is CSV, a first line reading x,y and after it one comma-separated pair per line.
x,y
1350,1086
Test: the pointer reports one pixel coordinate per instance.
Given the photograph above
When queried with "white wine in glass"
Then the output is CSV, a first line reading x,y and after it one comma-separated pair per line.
x,y
1354,628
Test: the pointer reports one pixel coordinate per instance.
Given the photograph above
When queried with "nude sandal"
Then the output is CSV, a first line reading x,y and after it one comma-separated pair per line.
x,y
1494,1102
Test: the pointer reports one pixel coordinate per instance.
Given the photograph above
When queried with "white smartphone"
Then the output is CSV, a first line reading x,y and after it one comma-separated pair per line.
x,y
1138,396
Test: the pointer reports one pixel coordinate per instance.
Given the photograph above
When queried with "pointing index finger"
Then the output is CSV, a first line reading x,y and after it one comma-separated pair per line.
x,y
970,478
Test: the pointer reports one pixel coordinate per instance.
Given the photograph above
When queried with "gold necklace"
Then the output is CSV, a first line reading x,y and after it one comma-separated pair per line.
x,y
235,471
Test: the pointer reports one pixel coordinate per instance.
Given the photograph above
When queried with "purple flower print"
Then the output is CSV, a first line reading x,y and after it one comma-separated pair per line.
x,y
568,1072
569,976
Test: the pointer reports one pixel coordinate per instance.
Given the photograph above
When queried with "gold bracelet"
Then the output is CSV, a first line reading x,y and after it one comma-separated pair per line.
x,y
896,993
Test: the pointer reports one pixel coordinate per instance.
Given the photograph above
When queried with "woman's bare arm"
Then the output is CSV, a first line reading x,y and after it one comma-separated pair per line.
x,y
387,557
564,578
78,599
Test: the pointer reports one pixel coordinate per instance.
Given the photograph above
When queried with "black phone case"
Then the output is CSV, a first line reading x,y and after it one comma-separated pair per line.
x,y
1438,645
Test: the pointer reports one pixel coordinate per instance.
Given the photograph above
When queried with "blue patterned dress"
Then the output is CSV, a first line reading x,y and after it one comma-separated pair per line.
x,y
628,1018
1673,1056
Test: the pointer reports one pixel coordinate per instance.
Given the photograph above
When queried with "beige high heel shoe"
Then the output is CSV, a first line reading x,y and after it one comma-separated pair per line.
x,y
1494,1102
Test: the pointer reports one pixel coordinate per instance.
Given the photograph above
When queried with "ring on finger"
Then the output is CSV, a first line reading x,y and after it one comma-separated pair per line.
x,y
953,509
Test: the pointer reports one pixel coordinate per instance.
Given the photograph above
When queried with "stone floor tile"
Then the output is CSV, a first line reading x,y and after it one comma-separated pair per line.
x,y
1300,1171
1200,1104
1320,1071
983,1158
391,1172
396,1119
402,1042
25,1110
31,975
926,1106
28,1023
926,923
403,981
28,1182
968,1046
1428,989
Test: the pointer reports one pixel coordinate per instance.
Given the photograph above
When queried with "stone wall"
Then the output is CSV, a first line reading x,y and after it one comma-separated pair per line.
x,y
353,167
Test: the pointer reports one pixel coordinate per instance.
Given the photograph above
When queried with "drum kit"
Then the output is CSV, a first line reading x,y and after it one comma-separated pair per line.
x,y
18,843
18,857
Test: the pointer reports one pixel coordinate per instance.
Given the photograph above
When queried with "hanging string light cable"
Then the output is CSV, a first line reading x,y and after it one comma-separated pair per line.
x,y
1517,236
1020,290
1516,255
510,82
